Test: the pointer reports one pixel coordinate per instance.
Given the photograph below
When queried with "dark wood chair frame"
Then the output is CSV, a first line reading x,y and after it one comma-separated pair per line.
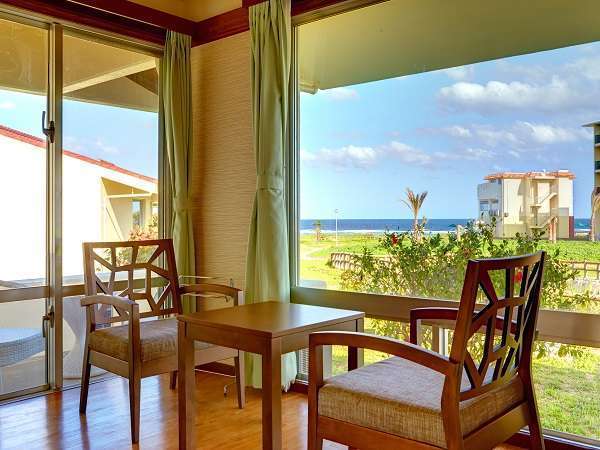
x,y
510,358
103,308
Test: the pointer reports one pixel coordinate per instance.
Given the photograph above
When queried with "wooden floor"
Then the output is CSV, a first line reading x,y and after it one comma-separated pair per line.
x,y
53,421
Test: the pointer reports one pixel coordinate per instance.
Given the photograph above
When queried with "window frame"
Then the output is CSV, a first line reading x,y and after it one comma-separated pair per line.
x,y
55,289
553,326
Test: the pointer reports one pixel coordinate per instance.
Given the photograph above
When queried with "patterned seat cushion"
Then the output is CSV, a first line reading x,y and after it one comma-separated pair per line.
x,y
402,398
158,339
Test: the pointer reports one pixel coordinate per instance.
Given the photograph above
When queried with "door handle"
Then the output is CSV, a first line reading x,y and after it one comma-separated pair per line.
x,y
47,321
49,130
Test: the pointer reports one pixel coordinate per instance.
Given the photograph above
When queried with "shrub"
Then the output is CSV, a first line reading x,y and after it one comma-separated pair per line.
x,y
418,265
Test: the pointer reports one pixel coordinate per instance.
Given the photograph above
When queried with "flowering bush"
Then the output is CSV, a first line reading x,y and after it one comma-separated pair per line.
x,y
419,265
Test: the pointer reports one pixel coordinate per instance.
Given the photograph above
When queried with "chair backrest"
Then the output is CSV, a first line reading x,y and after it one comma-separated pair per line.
x,y
504,327
146,268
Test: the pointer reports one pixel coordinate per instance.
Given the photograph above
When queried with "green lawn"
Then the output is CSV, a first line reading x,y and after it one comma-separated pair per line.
x,y
568,389
575,250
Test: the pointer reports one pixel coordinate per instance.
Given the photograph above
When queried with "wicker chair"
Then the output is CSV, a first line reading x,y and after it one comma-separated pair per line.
x,y
118,340
418,399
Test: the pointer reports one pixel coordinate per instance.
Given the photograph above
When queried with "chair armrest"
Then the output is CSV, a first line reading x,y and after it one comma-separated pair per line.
x,y
127,309
203,288
112,300
449,314
405,350
433,313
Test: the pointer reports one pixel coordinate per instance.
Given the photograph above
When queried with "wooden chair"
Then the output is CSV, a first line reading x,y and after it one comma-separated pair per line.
x,y
419,399
141,348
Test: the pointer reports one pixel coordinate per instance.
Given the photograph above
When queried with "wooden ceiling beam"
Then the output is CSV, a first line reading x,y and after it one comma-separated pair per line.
x,y
141,13
236,21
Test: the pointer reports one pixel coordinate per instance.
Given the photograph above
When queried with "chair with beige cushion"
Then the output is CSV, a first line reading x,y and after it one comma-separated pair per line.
x,y
130,331
474,399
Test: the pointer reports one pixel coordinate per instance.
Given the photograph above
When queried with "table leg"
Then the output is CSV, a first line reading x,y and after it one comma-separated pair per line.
x,y
186,388
271,396
355,355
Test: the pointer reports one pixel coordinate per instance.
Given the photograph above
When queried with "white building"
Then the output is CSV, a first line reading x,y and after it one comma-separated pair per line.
x,y
101,201
525,201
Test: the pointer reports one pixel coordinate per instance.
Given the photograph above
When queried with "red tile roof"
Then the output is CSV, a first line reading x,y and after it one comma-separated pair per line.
x,y
39,142
518,175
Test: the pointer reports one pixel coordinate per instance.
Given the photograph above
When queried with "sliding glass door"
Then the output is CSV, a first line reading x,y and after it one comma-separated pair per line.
x,y
110,162
23,196
79,161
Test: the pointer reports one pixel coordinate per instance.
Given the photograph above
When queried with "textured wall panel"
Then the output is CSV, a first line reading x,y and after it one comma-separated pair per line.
x,y
224,177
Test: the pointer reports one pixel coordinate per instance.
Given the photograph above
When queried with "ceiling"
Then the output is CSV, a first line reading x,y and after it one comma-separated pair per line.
x,y
92,71
402,37
195,10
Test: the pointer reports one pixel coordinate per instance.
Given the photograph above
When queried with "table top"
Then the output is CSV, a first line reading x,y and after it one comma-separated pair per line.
x,y
271,319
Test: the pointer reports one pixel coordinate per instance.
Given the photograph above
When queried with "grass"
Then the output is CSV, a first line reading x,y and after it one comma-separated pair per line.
x,y
575,250
568,389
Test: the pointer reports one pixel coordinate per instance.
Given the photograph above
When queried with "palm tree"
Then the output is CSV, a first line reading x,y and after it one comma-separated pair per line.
x,y
415,201
317,227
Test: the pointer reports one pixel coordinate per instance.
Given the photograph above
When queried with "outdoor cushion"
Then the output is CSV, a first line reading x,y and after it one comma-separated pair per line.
x,y
158,339
402,398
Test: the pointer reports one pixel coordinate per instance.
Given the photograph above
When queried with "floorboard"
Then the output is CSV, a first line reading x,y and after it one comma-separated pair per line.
x,y
53,421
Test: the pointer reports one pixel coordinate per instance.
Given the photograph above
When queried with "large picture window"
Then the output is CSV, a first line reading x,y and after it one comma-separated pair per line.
x,y
411,164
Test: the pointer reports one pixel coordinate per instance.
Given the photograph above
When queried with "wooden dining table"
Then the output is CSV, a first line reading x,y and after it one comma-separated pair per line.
x,y
269,329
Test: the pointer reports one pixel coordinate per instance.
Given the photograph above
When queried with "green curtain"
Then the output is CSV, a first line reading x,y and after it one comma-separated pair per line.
x,y
176,121
267,269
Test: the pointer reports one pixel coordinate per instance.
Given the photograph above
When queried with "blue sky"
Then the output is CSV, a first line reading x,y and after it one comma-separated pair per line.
x,y
125,137
443,131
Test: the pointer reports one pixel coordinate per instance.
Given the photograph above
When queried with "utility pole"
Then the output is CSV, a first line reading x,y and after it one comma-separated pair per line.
x,y
336,211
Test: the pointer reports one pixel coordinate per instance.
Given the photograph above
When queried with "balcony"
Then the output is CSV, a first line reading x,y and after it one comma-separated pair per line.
x,y
597,166
488,191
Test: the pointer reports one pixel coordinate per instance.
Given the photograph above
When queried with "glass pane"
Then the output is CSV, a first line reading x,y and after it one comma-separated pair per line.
x,y
22,346
404,178
23,86
110,163
568,390
409,166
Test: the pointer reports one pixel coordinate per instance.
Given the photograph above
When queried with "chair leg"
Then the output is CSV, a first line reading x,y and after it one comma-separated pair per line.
x,y
536,436
173,380
85,381
134,407
314,441
240,379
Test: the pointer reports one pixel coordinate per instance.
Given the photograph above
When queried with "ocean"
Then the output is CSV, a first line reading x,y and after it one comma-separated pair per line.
x,y
381,225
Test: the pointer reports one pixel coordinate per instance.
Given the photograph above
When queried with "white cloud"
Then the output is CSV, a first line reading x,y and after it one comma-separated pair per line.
x,y
494,137
475,154
586,67
349,156
110,149
460,72
496,96
408,154
548,134
340,93
7,105
521,135
457,131
367,157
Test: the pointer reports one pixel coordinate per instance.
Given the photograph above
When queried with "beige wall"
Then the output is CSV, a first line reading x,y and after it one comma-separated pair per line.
x,y
224,177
